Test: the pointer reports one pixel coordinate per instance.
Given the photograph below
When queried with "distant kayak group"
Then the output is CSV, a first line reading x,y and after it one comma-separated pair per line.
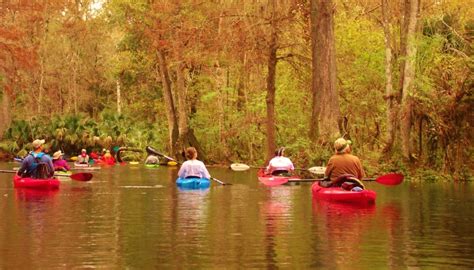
x,y
341,182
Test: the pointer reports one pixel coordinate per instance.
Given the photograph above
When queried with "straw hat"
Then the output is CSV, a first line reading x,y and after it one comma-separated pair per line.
x,y
37,143
58,154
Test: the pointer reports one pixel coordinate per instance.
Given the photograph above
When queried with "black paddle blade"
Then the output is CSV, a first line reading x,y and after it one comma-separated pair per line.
x,y
81,176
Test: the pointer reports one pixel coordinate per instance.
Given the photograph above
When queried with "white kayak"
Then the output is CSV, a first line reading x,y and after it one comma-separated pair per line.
x,y
318,170
239,167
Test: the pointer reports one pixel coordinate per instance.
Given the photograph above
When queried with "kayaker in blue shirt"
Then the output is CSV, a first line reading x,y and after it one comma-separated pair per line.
x,y
193,168
37,164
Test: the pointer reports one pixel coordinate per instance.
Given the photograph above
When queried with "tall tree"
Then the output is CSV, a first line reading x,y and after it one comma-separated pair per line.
x,y
390,95
171,115
325,115
408,90
272,48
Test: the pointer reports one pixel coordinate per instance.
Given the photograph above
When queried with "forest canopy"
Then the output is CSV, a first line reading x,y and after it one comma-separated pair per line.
x,y
237,79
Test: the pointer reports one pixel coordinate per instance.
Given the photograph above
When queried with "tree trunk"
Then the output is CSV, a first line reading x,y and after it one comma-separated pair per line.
x,y
168,97
406,117
241,82
405,20
325,115
182,108
271,69
389,94
119,99
5,117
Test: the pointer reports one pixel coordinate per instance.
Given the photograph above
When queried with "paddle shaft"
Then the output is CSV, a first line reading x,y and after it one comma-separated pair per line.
x,y
74,176
220,182
320,179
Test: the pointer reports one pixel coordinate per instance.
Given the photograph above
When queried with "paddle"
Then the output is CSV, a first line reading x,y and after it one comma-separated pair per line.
x,y
150,149
154,151
75,176
239,167
220,182
390,179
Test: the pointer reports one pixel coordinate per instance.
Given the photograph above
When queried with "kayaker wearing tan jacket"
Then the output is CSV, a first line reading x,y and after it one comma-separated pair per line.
x,y
343,162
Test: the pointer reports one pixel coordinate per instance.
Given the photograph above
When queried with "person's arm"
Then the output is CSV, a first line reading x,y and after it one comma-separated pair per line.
x,y
269,168
329,168
66,166
49,162
24,166
292,167
205,172
182,171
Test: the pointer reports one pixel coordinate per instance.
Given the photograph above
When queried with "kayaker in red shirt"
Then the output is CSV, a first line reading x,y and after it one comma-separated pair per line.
x,y
343,163
108,158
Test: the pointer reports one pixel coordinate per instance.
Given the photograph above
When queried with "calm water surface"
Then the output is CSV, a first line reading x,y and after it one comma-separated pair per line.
x,y
135,217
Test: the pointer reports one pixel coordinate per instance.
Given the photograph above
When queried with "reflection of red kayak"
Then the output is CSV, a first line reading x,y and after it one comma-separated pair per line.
x,y
337,194
24,182
29,194
272,180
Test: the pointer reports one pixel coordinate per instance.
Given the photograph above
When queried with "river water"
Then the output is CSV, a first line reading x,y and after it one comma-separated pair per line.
x,y
135,217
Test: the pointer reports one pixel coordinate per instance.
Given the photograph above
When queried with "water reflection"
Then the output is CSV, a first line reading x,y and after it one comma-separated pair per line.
x,y
138,219
342,232
275,211
27,194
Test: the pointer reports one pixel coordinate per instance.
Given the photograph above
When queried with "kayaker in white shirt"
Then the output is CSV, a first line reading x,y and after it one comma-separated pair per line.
x,y
280,165
193,168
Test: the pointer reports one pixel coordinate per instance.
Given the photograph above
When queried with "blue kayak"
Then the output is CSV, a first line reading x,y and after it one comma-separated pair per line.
x,y
193,183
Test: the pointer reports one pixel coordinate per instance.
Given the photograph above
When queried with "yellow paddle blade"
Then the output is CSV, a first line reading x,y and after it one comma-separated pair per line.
x,y
172,163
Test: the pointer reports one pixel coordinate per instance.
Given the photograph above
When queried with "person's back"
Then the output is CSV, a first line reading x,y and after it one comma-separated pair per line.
x,y
193,167
108,158
280,164
37,164
152,159
343,162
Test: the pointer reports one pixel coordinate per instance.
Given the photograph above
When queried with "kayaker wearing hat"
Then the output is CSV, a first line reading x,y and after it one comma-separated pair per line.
x,y
59,163
83,158
343,163
37,164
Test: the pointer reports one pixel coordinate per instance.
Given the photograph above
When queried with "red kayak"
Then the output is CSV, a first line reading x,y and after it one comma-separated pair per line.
x,y
337,194
25,182
272,180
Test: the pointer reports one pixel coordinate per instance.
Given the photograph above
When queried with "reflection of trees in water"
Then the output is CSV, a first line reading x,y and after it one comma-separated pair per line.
x,y
275,211
343,231
190,211
36,212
